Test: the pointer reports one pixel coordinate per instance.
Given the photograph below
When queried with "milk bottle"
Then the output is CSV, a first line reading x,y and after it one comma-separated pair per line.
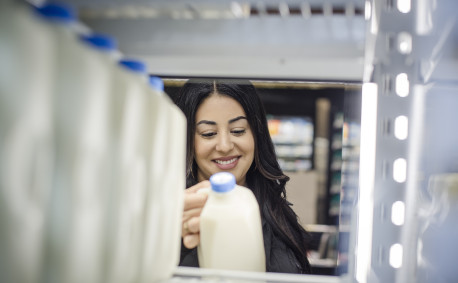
x,y
27,73
151,268
164,206
129,148
176,178
78,214
230,228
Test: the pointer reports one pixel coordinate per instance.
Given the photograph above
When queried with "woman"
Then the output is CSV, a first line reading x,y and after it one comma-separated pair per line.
x,y
227,131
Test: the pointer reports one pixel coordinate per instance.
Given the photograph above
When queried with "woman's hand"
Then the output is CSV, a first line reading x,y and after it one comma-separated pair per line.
x,y
194,201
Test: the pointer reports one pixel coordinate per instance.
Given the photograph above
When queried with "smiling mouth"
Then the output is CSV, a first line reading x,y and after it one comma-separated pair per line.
x,y
226,162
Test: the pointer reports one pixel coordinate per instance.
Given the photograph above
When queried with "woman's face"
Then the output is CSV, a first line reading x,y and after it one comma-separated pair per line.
x,y
223,140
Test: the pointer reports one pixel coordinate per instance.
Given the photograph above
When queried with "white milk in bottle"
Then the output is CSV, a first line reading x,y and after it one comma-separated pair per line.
x,y
130,143
176,181
175,176
164,207
27,74
230,228
151,268
83,86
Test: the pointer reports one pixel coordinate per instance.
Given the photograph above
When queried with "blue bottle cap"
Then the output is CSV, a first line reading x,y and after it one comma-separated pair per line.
x,y
100,41
156,83
222,182
133,65
57,12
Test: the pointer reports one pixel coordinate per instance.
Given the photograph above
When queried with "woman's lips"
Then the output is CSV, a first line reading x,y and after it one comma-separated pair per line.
x,y
225,163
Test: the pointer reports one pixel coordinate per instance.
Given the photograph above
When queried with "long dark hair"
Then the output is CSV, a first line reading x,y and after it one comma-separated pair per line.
x,y
264,178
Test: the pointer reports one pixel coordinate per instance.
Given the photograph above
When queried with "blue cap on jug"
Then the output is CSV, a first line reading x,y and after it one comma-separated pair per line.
x,y
133,65
100,41
57,12
156,83
222,182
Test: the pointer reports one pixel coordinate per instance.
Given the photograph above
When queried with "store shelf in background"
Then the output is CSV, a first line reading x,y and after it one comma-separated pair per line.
x,y
296,165
330,251
348,193
324,251
350,180
337,141
293,141
338,121
351,133
336,161
350,152
294,150
349,187
223,38
290,130
343,257
335,167
350,155
334,206
350,166
336,180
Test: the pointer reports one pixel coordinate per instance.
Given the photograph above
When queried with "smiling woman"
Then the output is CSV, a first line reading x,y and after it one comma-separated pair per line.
x,y
223,139
227,131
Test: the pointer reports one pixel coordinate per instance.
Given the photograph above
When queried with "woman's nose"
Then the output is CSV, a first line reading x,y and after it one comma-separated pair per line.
x,y
224,143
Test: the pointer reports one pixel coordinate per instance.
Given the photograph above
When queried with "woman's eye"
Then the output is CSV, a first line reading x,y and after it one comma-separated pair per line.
x,y
208,135
238,132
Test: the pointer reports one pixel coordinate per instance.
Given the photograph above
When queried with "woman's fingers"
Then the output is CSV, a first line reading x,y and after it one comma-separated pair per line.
x,y
194,200
194,225
191,235
198,186
190,213
191,241
191,226
192,197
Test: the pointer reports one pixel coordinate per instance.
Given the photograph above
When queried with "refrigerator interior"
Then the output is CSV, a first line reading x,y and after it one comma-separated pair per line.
x,y
392,172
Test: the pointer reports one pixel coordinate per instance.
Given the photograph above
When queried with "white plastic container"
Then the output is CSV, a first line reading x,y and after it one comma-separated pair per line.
x,y
27,75
129,149
176,181
230,228
81,187
164,207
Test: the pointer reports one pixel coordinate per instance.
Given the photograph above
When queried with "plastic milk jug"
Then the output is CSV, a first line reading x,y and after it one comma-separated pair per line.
x,y
176,181
27,75
153,261
230,228
164,207
129,114
83,85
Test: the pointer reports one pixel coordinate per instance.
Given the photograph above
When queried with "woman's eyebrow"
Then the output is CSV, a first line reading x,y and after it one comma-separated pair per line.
x,y
206,122
236,119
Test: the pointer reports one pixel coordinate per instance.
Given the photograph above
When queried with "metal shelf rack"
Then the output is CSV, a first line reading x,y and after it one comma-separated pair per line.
x,y
313,40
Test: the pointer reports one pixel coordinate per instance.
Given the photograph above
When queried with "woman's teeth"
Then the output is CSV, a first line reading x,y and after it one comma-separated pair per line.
x,y
226,162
